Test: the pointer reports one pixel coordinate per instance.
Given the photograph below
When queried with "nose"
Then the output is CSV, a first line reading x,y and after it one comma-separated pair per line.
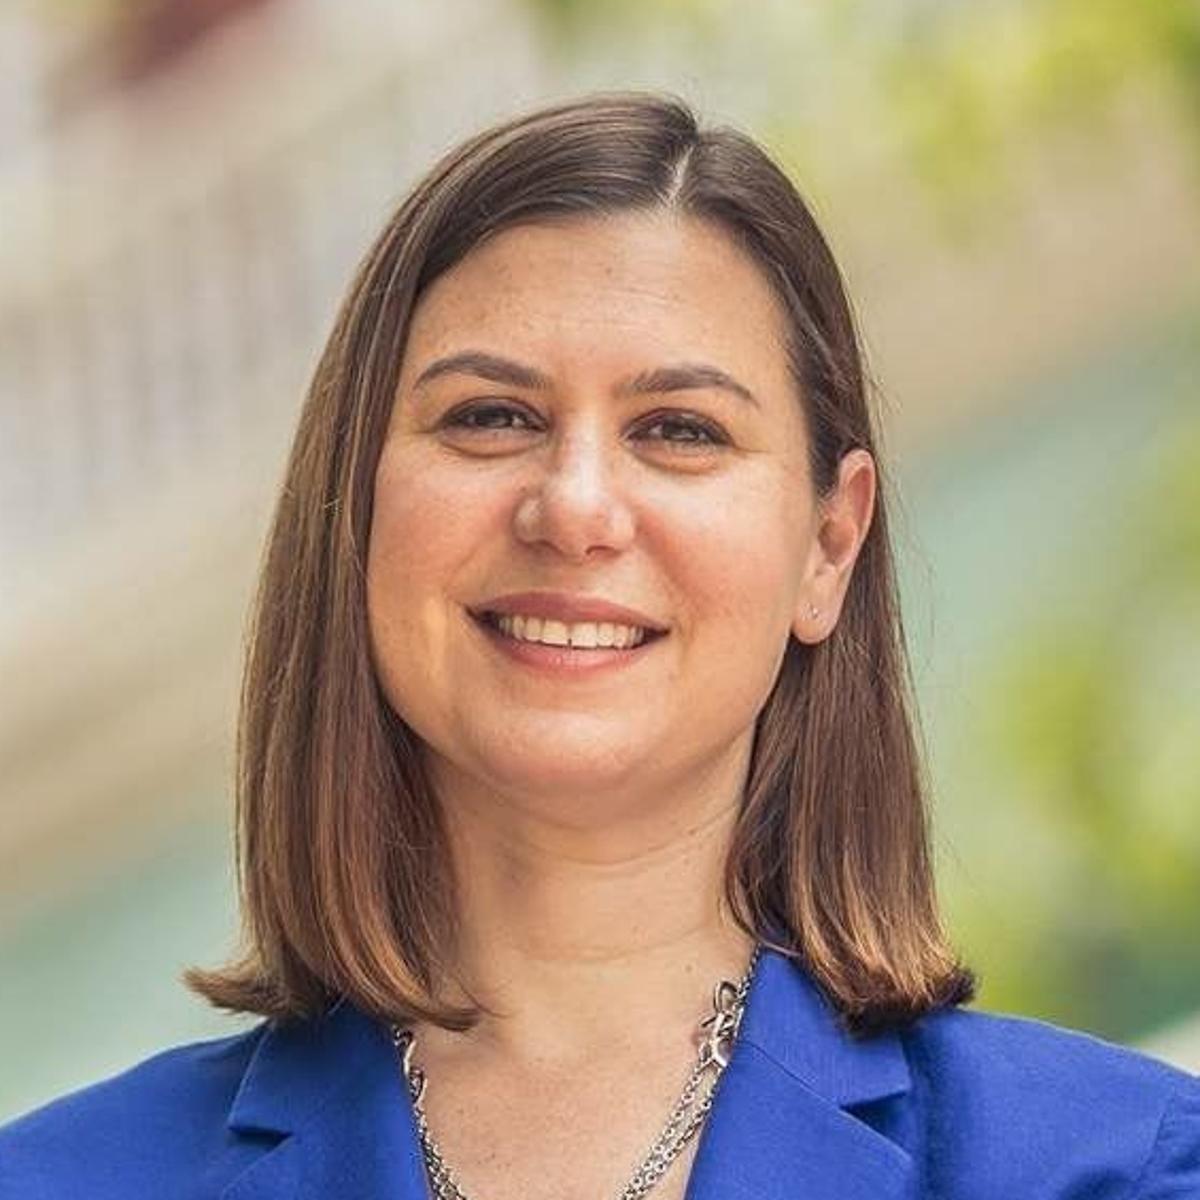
x,y
577,504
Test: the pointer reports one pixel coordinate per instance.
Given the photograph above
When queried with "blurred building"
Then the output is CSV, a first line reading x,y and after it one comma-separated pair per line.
x,y
185,187
184,195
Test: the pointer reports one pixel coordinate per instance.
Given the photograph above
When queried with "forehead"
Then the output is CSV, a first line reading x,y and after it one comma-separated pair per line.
x,y
610,290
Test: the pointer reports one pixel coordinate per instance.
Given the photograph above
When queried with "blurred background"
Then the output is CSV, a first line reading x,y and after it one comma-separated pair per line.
x,y
1014,191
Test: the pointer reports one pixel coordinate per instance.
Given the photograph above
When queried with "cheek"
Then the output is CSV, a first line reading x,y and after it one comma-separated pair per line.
x,y
425,523
737,574
739,558
422,529
413,508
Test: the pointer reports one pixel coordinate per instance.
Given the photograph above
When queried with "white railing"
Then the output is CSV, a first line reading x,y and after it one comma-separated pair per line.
x,y
127,367
141,348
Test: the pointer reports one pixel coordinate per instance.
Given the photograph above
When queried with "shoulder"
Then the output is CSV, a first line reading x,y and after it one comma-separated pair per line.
x,y
156,1129
1023,1107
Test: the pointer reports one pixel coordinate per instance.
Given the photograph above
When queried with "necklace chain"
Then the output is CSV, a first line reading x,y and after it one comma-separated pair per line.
x,y
719,1031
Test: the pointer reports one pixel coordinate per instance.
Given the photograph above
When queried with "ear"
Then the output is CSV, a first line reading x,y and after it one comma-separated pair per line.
x,y
842,521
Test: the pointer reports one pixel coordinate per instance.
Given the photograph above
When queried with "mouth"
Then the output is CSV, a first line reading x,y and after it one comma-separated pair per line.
x,y
592,638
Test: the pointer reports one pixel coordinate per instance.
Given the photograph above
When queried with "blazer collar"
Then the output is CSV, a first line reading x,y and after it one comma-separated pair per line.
x,y
779,1125
789,1020
333,1089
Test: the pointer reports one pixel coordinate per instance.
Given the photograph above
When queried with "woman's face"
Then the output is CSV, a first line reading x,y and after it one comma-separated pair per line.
x,y
593,410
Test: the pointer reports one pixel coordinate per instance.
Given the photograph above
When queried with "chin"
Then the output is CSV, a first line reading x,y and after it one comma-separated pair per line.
x,y
589,770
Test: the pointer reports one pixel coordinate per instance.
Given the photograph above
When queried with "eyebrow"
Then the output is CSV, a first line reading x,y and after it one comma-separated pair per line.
x,y
680,377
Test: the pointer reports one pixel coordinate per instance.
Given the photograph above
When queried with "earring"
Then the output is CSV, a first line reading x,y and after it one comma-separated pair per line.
x,y
813,610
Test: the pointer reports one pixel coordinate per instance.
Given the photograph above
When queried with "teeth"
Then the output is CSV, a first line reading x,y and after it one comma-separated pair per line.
x,y
584,634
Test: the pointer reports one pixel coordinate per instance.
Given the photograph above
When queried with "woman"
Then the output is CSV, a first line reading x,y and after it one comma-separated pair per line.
x,y
581,820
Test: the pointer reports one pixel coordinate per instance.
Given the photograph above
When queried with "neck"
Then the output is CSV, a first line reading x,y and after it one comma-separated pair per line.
x,y
581,941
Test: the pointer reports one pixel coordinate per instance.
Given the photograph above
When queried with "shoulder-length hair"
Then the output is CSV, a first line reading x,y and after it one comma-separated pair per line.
x,y
345,883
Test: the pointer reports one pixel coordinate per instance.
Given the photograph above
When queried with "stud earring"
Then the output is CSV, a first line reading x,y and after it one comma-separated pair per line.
x,y
813,610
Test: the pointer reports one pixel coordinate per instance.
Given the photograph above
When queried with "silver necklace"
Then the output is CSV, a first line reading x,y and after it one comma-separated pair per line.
x,y
718,1033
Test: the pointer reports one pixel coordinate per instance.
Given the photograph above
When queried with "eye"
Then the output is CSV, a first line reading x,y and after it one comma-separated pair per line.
x,y
487,417
687,432
681,431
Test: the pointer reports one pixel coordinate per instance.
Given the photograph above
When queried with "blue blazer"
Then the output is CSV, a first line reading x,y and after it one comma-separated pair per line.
x,y
959,1106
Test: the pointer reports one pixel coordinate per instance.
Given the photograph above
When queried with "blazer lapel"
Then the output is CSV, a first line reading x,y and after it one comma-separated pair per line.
x,y
327,1102
780,1125
330,1098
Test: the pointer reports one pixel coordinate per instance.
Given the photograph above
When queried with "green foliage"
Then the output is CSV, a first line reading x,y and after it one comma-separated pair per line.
x,y
1081,796
987,82
1090,747
957,92
573,24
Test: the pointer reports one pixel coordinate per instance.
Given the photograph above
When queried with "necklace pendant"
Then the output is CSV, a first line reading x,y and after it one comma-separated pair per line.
x,y
719,1032
413,1075
722,1025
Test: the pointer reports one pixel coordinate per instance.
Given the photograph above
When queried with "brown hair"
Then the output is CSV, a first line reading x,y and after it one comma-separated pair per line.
x,y
346,886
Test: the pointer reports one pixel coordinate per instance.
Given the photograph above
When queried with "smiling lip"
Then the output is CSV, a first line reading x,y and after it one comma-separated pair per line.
x,y
565,662
568,608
